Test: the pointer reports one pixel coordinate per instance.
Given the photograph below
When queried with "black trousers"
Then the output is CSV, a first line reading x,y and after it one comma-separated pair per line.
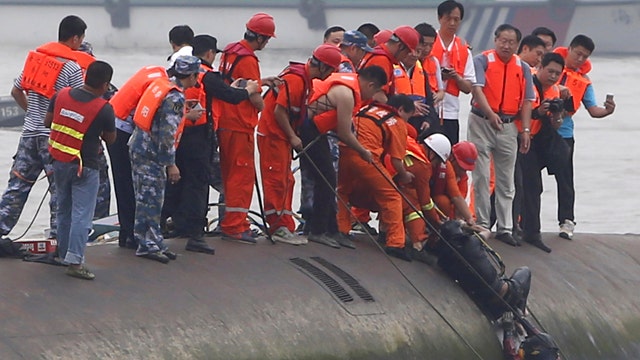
x,y
186,201
566,189
123,185
531,165
451,129
324,198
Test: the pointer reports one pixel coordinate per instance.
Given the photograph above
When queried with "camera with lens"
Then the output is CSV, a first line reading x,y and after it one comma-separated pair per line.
x,y
556,105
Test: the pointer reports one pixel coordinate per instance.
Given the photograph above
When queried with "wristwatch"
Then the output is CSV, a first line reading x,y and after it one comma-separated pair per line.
x,y
527,130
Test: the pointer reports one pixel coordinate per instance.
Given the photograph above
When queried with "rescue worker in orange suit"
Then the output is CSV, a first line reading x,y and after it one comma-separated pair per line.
x,y
448,180
455,58
32,91
331,106
423,159
419,77
503,90
463,160
403,41
546,119
285,108
381,130
237,126
186,201
354,47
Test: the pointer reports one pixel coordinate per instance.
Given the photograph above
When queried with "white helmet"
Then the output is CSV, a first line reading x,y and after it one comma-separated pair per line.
x,y
440,144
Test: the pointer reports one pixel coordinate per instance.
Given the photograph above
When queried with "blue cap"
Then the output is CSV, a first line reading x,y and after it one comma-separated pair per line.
x,y
355,37
86,47
187,65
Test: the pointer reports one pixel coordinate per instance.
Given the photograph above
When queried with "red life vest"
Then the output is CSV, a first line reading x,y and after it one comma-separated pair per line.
x,y
195,95
43,66
328,120
438,182
231,56
127,97
457,59
71,120
149,103
268,123
504,85
388,67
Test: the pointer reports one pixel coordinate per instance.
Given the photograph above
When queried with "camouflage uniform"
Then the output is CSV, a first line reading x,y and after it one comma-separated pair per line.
x,y
103,201
30,159
151,152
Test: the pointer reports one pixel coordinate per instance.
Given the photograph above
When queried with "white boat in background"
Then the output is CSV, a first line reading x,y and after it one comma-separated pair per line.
x,y
613,24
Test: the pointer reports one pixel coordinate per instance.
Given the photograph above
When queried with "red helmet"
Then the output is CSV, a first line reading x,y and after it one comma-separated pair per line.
x,y
262,24
328,54
465,153
382,36
408,35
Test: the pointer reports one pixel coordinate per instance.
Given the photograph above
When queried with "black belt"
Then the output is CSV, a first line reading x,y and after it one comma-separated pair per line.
x,y
506,119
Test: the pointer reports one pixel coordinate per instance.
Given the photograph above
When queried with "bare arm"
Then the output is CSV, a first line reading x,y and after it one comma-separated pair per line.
x,y
20,97
463,85
525,116
403,177
342,97
48,119
600,112
462,209
109,137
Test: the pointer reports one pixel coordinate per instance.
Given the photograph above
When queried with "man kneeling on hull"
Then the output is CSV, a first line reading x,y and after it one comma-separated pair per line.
x,y
463,256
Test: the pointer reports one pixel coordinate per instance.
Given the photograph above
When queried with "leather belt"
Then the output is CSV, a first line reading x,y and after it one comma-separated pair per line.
x,y
506,119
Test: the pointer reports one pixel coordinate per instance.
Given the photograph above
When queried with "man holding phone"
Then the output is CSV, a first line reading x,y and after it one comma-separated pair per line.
x,y
576,80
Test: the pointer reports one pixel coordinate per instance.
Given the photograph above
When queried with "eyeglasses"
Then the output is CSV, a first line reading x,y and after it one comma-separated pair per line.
x,y
503,41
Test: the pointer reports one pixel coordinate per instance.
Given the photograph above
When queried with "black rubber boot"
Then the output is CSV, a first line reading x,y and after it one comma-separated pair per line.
x,y
400,253
199,245
519,285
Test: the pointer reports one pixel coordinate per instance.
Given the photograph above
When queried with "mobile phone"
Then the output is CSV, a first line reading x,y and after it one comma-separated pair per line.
x,y
197,107
242,83
609,97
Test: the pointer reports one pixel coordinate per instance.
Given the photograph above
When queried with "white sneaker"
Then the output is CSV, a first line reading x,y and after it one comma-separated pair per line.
x,y
566,229
284,235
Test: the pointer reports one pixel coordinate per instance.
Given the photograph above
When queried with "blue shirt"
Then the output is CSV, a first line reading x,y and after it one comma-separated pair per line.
x,y
588,100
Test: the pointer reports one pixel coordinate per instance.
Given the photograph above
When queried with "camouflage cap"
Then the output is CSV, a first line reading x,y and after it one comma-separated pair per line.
x,y
86,47
355,37
186,65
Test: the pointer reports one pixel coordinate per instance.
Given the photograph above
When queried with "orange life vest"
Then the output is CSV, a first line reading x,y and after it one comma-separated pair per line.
x,y
126,99
577,84
564,52
44,64
457,58
197,94
149,103
328,120
504,85
71,120
388,67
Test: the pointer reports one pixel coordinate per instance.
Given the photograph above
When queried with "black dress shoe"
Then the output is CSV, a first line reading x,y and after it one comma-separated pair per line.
x,y
536,240
508,239
400,253
170,254
199,245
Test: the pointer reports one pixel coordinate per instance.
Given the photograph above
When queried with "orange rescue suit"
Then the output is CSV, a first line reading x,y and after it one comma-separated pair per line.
x,y
274,146
236,127
383,58
379,130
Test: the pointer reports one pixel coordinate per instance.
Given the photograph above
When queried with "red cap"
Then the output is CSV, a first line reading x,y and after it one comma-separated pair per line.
x,y
408,35
382,36
262,24
466,154
328,54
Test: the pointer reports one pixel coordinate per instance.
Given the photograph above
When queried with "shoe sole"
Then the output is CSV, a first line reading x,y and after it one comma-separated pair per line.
x,y
159,258
80,276
201,250
348,245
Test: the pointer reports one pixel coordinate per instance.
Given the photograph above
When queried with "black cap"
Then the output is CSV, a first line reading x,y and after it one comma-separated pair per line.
x,y
204,43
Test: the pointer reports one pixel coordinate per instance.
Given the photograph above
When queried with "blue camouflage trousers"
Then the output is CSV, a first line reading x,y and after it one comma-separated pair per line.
x,y
30,159
103,201
149,179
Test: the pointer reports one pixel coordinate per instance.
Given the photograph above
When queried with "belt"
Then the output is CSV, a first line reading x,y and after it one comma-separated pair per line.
x,y
506,119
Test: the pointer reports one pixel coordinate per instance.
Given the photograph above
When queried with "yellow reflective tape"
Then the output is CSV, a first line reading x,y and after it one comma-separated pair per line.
x,y
67,130
408,161
413,216
428,206
65,149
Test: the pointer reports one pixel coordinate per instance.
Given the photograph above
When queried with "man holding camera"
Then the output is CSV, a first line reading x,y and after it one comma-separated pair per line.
x,y
547,148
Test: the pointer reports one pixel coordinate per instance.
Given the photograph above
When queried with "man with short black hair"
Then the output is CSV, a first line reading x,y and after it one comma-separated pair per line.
x,y
180,38
33,90
85,113
369,30
334,35
547,35
531,50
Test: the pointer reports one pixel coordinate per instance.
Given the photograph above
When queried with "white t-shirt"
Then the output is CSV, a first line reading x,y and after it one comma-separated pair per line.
x,y
451,103
185,50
